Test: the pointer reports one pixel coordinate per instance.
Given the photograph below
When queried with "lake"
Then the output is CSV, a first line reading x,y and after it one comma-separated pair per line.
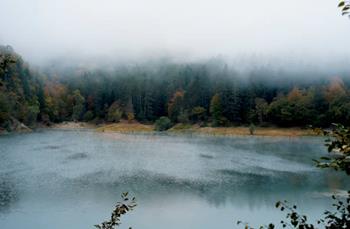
x,y
73,178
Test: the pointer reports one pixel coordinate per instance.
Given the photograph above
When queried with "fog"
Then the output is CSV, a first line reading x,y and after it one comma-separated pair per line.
x,y
311,32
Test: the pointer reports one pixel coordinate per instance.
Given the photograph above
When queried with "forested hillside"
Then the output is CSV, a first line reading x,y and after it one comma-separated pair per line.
x,y
21,91
208,93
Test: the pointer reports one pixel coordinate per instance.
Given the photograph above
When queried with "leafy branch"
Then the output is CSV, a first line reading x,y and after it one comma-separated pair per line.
x,y
340,218
345,7
120,209
338,145
294,219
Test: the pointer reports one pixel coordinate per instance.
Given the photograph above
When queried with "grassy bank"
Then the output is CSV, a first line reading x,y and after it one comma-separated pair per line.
x,y
231,131
125,127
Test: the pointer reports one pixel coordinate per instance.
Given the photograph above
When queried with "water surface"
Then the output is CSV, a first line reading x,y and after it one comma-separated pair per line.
x,y
72,179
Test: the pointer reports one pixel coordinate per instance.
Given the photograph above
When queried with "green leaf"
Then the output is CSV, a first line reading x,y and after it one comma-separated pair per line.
x,y
278,204
346,8
341,4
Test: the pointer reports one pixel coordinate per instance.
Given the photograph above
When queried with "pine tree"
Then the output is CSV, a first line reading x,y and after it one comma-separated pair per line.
x,y
216,110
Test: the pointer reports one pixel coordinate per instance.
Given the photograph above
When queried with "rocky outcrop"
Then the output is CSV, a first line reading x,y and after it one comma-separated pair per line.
x,y
15,126
22,128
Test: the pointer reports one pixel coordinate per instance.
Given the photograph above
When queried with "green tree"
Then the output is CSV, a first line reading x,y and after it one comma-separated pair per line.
x,y
216,110
162,124
176,105
32,112
78,105
183,117
295,109
198,114
231,102
88,116
338,99
129,111
114,112
4,109
261,109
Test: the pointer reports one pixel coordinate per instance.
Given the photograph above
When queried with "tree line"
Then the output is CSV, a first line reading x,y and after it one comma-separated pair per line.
x,y
204,93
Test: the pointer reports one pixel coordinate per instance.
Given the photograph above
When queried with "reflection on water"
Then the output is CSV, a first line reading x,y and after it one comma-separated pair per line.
x,y
71,179
7,193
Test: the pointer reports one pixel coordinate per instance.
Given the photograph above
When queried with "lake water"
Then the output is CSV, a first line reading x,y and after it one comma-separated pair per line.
x,y
72,179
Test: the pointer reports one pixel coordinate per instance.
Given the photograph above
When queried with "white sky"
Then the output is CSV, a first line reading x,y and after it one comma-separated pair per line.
x,y
41,29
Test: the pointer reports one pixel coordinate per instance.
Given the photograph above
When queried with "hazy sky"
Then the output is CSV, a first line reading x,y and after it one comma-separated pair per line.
x,y
41,29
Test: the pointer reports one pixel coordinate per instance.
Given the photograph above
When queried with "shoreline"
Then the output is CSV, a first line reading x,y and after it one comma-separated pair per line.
x,y
125,127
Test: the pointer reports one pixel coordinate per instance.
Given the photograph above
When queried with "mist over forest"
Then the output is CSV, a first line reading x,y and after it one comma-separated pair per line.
x,y
226,63
208,112
204,92
308,31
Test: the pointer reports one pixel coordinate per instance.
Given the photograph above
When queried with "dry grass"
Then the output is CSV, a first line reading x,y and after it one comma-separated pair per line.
x,y
260,131
125,127
73,125
183,128
227,131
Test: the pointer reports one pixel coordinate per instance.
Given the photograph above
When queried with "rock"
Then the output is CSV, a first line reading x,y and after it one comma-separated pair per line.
x,y
17,126
23,128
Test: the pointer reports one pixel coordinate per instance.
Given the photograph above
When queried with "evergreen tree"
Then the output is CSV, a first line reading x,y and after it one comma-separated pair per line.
x,y
216,110
78,105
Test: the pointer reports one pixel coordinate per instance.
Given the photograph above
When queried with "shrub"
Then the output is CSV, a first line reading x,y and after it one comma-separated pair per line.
x,y
162,124
183,117
114,113
88,116
198,114
251,129
130,117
